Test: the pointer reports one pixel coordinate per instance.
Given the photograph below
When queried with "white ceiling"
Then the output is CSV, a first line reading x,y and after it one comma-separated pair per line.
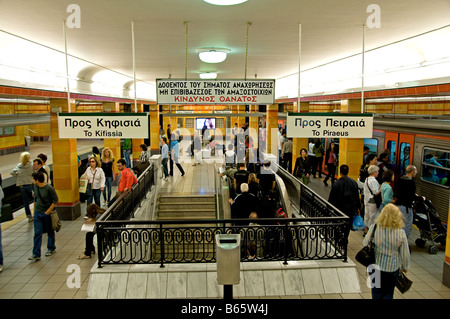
x,y
330,30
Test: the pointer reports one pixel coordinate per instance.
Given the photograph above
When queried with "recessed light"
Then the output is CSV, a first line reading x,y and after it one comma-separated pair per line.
x,y
225,2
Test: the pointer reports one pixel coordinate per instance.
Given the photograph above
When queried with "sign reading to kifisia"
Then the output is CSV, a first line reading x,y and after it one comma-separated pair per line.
x,y
103,125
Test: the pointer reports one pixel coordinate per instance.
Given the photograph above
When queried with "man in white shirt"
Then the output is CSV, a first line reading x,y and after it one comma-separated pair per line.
x,y
164,156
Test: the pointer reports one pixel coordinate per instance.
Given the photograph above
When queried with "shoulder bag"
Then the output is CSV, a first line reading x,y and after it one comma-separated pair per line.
x,y
377,197
366,256
56,223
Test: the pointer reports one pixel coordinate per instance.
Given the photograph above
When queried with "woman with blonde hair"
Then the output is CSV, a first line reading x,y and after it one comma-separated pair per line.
x,y
108,168
391,251
22,172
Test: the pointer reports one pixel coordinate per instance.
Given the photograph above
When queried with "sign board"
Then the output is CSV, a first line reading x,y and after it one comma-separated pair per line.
x,y
103,125
215,91
328,125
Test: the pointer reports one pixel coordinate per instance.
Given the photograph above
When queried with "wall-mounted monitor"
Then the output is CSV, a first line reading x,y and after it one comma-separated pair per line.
x,y
205,123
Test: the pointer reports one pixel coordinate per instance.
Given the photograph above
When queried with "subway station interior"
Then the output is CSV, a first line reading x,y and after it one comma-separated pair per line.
x,y
381,69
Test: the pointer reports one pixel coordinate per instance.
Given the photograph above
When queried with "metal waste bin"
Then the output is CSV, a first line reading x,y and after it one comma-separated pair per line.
x,y
228,258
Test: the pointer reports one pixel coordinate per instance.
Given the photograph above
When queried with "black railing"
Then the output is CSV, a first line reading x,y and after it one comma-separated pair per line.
x,y
161,242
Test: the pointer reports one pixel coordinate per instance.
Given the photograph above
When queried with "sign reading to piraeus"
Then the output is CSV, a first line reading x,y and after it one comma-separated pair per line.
x,y
326,125
103,125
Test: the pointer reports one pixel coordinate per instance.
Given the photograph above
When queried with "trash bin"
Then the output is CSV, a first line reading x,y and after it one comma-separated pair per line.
x,y
27,143
228,258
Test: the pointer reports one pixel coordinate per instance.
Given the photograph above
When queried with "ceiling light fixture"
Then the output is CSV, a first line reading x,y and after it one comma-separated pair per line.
x,y
212,55
225,2
208,75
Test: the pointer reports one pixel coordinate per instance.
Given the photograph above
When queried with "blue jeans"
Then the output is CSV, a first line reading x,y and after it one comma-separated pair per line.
x,y
407,218
387,285
27,196
164,165
108,185
126,156
94,194
42,223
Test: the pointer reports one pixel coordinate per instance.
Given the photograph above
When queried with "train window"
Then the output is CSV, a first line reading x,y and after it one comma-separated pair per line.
x,y
436,166
392,147
372,144
404,157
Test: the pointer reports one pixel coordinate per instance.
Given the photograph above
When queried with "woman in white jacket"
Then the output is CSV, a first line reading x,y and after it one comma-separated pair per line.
x,y
22,172
96,183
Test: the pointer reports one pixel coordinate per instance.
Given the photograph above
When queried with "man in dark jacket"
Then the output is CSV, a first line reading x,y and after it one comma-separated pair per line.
x,y
243,204
344,196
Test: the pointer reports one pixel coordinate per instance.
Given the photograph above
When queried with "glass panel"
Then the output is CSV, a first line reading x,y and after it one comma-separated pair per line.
x,y
435,166
404,157
372,144
392,147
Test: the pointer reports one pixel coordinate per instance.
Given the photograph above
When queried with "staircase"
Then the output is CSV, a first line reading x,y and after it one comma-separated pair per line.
x,y
188,243
173,207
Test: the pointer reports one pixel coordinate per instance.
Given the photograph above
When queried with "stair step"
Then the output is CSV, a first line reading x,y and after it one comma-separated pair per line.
x,y
187,206
187,199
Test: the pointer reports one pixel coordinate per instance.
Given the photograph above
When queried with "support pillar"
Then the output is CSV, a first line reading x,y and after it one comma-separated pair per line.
x,y
351,149
241,119
136,142
113,143
65,165
154,129
272,129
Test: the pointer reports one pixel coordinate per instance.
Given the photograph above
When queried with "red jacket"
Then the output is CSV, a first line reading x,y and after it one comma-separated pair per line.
x,y
127,180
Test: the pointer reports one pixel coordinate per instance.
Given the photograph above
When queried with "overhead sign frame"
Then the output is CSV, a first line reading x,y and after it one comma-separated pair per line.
x,y
329,125
103,125
233,91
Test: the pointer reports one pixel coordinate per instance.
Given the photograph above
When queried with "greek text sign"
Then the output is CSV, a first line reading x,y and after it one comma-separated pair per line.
x,y
215,91
103,125
325,125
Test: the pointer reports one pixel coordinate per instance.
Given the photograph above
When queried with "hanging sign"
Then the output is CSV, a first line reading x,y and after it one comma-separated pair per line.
x,y
328,125
215,91
103,125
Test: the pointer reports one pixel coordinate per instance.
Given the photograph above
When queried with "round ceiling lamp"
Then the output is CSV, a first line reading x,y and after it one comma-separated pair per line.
x,y
208,75
225,2
212,55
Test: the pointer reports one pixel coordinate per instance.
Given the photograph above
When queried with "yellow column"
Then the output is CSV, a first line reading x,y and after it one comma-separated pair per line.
x,y
272,129
241,119
446,272
154,129
136,142
65,165
350,149
234,119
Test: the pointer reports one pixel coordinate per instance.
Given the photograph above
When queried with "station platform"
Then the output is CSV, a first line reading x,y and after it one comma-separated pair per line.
x,y
48,278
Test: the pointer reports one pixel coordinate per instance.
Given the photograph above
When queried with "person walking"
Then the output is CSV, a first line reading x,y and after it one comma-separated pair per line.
x,y
391,251
22,172
344,195
371,188
406,195
164,157
286,155
127,146
96,183
197,149
318,158
331,161
302,167
108,168
45,201
174,150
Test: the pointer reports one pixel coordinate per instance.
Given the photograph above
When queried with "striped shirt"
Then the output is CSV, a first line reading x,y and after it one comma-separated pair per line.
x,y
391,248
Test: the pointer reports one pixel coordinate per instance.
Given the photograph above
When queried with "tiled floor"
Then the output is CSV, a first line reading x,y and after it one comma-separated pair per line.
x,y
50,278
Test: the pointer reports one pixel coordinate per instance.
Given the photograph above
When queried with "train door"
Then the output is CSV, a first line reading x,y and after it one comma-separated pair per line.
x,y
400,147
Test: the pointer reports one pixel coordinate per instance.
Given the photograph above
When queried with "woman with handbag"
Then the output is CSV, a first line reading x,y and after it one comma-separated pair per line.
x,y
96,178
391,251
331,161
371,196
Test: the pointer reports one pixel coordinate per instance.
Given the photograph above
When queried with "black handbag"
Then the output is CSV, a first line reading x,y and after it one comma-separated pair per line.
x,y
403,283
366,256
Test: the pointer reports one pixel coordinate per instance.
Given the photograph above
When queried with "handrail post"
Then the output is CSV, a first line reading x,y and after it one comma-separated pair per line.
x,y
286,229
161,235
99,246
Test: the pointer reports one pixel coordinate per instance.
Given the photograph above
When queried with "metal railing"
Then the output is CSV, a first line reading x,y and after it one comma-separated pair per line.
x,y
318,234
